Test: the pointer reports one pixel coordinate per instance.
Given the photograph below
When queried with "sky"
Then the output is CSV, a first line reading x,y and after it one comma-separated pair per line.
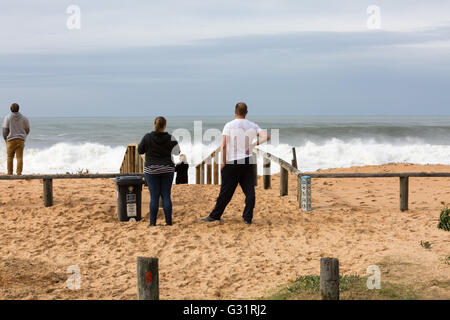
x,y
200,57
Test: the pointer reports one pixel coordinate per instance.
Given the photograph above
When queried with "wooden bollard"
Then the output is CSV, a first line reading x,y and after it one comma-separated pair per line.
x,y
216,168
209,172
329,278
294,159
404,191
148,278
48,192
255,170
197,174
304,193
283,181
266,173
202,173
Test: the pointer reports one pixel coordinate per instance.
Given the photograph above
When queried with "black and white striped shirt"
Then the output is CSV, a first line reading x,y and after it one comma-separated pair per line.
x,y
159,169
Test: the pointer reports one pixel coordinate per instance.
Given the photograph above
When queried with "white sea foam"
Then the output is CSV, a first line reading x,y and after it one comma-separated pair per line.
x,y
63,157
334,153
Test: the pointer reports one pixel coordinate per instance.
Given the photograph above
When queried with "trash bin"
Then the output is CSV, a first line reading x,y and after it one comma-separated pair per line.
x,y
129,195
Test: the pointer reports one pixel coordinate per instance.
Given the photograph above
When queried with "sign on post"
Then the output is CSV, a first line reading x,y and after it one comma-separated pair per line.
x,y
305,193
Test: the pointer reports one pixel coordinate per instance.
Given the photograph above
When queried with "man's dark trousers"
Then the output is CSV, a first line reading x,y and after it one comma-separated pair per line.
x,y
237,172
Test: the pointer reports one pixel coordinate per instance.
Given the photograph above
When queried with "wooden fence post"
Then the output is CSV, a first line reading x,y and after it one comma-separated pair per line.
x,y
148,278
329,278
284,176
208,171
294,159
197,174
216,168
48,192
202,172
304,190
404,190
255,169
266,173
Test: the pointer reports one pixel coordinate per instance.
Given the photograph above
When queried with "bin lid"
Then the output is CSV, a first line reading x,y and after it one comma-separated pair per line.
x,y
129,180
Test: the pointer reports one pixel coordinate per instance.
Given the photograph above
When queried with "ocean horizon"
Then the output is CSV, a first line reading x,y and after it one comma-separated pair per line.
x,y
97,144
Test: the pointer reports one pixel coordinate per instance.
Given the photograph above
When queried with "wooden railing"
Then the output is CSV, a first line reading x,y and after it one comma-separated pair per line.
x,y
132,162
286,168
209,169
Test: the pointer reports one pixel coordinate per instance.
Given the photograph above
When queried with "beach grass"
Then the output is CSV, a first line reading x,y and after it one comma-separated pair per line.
x,y
444,219
352,287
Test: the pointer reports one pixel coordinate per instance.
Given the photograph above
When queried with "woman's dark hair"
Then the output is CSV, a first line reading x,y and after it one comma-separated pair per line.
x,y
14,107
160,123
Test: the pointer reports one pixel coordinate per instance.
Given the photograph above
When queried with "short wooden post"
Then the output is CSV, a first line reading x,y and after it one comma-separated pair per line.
x,y
208,171
216,168
304,190
148,278
283,181
197,174
404,192
48,192
255,169
202,172
329,278
294,159
266,173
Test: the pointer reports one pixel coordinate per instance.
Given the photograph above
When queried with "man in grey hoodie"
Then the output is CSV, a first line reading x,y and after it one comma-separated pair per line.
x,y
16,128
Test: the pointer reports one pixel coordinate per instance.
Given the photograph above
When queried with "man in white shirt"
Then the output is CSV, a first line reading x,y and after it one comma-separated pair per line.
x,y
237,163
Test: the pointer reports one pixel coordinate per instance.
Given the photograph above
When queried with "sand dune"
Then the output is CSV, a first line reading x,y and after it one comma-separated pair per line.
x,y
355,220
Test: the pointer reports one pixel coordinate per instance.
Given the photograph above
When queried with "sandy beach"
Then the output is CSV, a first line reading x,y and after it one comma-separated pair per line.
x,y
355,220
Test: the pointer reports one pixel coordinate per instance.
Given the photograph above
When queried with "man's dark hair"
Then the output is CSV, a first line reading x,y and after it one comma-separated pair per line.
x,y
241,109
14,107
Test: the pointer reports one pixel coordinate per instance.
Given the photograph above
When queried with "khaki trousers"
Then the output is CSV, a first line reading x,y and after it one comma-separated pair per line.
x,y
15,148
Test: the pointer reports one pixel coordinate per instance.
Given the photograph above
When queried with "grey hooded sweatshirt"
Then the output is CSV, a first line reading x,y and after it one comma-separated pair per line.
x,y
15,126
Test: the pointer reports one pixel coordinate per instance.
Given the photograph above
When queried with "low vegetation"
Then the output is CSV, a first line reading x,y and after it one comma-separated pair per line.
x,y
425,244
444,219
352,287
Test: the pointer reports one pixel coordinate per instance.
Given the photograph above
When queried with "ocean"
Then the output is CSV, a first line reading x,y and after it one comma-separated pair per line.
x,y
61,145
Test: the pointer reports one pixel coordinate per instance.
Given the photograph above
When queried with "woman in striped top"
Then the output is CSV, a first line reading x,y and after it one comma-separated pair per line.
x,y
159,146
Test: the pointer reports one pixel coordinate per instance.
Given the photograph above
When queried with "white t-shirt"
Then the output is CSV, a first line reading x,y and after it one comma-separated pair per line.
x,y
240,135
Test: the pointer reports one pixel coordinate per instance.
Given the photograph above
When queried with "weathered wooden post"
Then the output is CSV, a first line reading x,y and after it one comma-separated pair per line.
x,y
48,192
148,278
284,176
404,191
255,169
329,278
216,167
208,170
304,190
197,174
202,172
266,173
294,159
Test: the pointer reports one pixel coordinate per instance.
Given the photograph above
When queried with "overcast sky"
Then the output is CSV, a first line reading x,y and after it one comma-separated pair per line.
x,y
200,57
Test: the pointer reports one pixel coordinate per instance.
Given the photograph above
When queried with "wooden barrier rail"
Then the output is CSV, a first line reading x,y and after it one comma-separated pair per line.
x,y
133,162
47,180
286,168
211,163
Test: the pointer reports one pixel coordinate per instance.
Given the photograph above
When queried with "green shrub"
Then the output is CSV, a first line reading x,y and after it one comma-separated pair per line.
x,y
444,219
425,244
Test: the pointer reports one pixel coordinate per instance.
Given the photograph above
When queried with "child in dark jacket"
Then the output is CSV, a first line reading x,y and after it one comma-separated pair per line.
x,y
182,170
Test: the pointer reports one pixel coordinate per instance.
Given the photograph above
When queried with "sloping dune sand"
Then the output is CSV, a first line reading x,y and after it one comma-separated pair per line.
x,y
355,220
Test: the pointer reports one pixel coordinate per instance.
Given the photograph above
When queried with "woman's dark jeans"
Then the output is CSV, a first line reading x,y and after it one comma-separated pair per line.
x,y
160,185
